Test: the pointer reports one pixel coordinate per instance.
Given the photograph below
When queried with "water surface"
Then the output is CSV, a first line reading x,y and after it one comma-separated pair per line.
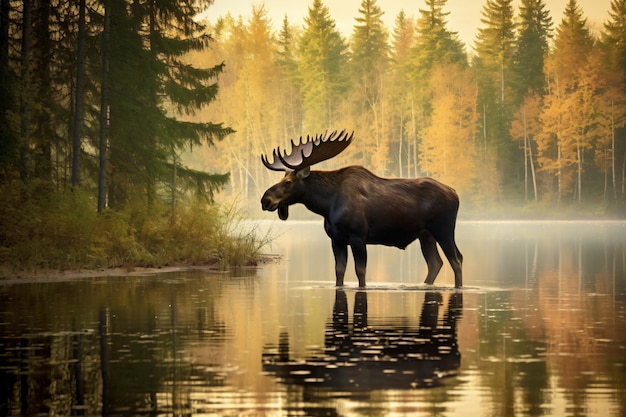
x,y
539,330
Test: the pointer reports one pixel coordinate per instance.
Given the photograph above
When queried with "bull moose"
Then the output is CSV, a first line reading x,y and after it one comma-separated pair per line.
x,y
360,208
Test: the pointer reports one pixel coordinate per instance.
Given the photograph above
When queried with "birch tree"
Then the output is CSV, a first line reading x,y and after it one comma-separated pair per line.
x,y
448,147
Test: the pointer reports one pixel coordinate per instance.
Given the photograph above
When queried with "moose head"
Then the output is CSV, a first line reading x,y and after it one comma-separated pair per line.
x,y
297,166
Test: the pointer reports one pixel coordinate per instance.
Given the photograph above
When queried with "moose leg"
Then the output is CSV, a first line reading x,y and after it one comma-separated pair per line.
x,y
431,254
359,253
341,259
445,238
455,258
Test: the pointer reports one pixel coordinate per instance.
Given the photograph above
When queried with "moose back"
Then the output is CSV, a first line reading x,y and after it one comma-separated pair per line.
x,y
360,208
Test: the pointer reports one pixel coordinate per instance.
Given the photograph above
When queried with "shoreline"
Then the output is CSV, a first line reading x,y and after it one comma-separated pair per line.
x,y
23,277
71,275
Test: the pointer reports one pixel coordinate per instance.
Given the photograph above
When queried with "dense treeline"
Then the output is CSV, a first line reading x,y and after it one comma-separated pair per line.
x,y
532,116
93,95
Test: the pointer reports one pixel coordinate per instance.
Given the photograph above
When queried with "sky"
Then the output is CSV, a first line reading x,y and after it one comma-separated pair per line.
x,y
464,16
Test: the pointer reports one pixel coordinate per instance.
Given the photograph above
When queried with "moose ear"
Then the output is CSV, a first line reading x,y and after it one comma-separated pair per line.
x,y
303,173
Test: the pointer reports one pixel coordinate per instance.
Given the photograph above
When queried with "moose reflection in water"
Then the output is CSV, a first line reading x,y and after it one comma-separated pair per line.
x,y
360,208
381,356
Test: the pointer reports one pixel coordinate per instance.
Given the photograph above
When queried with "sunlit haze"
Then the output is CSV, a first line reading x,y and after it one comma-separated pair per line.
x,y
464,15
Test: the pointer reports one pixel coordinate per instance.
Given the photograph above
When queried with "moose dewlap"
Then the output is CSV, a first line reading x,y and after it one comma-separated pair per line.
x,y
360,208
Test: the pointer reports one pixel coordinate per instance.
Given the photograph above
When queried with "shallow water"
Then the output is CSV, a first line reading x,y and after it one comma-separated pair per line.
x,y
539,330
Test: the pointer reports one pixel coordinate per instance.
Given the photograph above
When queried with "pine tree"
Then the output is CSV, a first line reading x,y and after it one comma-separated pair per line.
x,y
531,47
613,42
287,65
150,85
494,49
369,63
435,43
572,44
9,139
370,51
400,102
79,111
322,55
435,47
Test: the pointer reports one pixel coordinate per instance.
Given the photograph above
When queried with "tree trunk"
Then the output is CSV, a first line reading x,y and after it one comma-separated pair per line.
x,y
579,171
78,111
613,151
5,7
25,92
104,109
401,133
174,180
532,170
41,82
559,174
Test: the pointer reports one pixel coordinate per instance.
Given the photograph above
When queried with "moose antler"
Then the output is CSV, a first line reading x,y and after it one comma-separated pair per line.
x,y
308,153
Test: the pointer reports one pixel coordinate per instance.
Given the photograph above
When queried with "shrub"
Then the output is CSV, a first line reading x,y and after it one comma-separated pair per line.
x,y
41,228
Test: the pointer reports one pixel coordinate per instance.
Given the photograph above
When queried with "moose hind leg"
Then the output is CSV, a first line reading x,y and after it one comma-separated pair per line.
x,y
455,258
431,255
448,246
341,259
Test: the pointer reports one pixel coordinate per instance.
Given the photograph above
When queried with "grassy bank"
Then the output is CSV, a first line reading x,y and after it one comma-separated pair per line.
x,y
42,229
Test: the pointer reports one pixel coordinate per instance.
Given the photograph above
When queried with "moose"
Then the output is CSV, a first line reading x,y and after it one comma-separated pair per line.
x,y
360,208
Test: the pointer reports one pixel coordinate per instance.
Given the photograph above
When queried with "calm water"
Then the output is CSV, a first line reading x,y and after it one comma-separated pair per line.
x,y
540,330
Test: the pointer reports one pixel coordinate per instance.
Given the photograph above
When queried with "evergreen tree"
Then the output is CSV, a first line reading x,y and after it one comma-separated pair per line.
x,y
613,43
614,36
286,62
369,62
9,142
150,84
494,49
435,43
531,47
435,46
572,44
403,38
370,51
400,102
322,55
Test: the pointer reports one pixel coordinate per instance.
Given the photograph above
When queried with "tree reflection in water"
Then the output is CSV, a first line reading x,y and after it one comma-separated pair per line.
x,y
383,356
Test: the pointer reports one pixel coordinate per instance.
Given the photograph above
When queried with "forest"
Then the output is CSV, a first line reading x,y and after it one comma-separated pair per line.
x,y
527,120
92,99
122,121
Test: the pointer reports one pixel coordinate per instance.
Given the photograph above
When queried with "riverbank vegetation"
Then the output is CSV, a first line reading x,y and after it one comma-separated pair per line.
x,y
44,230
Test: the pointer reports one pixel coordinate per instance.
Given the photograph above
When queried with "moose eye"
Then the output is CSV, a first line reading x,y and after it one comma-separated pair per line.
x,y
288,182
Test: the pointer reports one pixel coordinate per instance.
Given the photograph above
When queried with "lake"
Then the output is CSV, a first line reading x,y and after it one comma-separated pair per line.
x,y
540,329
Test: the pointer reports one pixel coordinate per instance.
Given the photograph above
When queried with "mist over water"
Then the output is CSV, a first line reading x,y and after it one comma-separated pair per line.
x,y
539,330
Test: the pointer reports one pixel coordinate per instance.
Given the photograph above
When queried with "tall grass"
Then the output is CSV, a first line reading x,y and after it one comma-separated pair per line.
x,y
41,229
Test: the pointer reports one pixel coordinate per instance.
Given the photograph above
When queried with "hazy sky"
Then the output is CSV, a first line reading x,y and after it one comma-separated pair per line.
x,y
464,15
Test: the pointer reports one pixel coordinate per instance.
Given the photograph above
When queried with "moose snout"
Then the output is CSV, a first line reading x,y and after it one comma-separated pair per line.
x,y
267,203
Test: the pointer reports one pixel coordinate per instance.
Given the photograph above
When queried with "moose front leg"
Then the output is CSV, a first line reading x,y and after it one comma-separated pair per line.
x,y
341,259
